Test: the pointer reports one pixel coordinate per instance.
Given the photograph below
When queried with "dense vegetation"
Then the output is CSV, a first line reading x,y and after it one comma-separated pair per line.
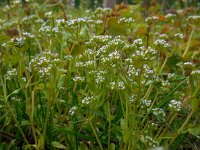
x,y
103,79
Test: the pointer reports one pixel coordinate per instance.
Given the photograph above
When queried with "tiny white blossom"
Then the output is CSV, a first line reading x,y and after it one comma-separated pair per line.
x,y
175,105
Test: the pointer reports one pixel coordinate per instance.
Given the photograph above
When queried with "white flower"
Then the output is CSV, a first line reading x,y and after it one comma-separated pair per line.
x,y
179,35
145,103
161,42
126,20
121,85
132,98
138,42
114,55
87,100
48,14
78,79
175,105
151,19
11,73
72,110
169,16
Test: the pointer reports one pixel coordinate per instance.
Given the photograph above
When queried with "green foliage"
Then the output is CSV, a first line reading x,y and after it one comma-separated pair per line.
x,y
102,79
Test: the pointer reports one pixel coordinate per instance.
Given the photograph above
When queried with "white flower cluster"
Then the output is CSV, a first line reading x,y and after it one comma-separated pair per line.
x,y
145,103
152,19
74,23
11,73
179,35
4,44
128,61
193,18
126,20
162,43
87,100
56,29
28,35
60,22
165,83
114,55
138,42
44,63
132,98
79,64
16,2
170,16
102,11
68,57
147,71
159,113
48,14
28,18
175,105
188,64
100,77
171,76
117,85
196,72
163,36
89,52
78,79
149,141
102,50
15,99
153,126
18,41
40,21
99,39
45,30
116,42
72,110
143,53
132,71
151,51
89,63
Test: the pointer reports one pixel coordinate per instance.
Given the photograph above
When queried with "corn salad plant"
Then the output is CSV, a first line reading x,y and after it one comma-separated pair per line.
x,y
103,79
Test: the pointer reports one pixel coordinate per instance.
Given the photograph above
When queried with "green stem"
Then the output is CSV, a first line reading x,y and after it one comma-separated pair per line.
x,y
148,112
109,125
32,117
163,65
95,133
189,42
11,112
158,73
182,127
171,120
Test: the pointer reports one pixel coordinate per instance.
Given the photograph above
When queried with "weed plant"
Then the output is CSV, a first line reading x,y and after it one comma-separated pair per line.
x,y
107,80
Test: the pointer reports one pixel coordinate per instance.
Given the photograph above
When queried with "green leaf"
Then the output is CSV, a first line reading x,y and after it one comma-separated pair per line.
x,y
195,130
14,92
195,103
127,136
25,123
114,28
83,146
112,146
58,145
41,142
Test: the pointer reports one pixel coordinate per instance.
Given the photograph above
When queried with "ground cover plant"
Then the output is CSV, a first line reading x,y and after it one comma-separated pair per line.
x,y
103,79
